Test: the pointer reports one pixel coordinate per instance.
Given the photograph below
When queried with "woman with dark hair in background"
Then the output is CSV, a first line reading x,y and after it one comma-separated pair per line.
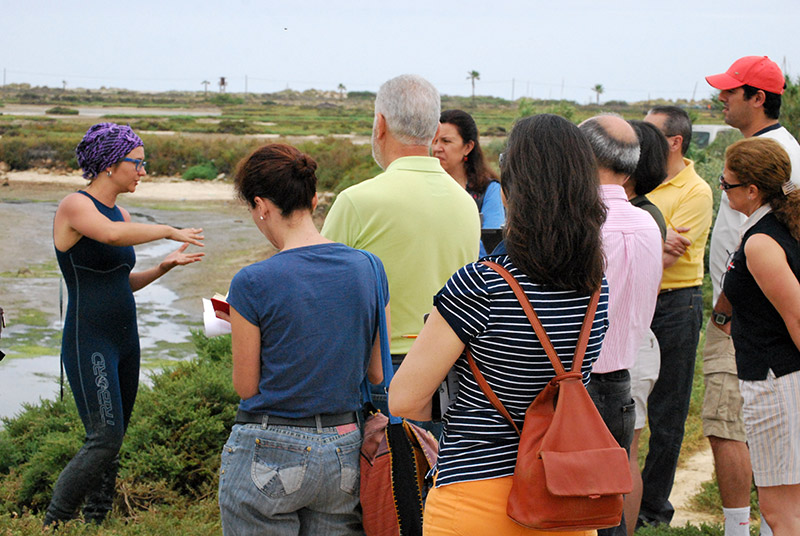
x,y
94,239
304,335
458,148
549,178
763,288
651,170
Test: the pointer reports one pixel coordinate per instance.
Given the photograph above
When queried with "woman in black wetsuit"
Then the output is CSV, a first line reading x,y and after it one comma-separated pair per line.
x,y
94,241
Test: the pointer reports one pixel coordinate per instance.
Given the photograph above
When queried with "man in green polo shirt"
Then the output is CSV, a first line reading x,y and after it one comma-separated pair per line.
x,y
414,216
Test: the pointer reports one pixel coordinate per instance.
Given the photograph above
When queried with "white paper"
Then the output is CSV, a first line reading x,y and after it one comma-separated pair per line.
x,y
213,326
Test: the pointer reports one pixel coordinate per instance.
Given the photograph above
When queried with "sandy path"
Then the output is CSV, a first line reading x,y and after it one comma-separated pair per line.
x,y
690,476
161,188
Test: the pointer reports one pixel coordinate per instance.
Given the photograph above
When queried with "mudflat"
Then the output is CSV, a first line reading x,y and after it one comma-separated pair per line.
x,y
28,201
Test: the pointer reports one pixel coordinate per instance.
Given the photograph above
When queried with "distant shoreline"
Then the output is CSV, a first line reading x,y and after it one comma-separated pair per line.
x,y
151,188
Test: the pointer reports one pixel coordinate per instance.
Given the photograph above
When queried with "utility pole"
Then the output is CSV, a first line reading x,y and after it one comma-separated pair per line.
x,y
694,91
245,87
512,90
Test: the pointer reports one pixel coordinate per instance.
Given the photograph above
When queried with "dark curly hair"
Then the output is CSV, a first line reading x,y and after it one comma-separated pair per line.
x,y
279,173
554,211
764,163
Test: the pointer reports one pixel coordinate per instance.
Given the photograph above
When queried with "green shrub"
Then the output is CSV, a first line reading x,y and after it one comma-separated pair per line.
x,y
207,171
61,110
236,126
170,453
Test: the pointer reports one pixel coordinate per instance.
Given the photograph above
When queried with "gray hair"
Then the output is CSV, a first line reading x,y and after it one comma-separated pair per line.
x,y
620,156
411,106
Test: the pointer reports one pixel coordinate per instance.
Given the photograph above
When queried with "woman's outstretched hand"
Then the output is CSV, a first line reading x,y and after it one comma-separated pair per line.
x,y
192,235
179,257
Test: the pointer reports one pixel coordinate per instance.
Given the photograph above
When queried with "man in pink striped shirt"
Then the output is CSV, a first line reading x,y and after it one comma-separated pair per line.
x,y
632,245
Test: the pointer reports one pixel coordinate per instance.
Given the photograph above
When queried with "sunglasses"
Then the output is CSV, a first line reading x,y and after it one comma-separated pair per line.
x,y
726,185
139,162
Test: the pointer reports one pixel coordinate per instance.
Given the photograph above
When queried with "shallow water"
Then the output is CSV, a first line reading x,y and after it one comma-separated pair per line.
x,y
95,111
167,308
26,379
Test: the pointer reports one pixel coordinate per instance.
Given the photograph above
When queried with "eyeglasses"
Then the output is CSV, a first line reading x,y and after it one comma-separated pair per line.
x,y
726,185
139,162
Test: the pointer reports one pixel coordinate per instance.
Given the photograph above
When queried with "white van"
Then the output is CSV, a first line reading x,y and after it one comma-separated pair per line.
x,y
704,135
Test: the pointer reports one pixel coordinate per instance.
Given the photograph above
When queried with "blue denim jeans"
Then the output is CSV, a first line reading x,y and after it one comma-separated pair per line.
x,y
676,325
611,393
284,480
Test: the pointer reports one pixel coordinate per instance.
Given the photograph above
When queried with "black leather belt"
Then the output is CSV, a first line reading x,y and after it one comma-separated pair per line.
x,y
317,421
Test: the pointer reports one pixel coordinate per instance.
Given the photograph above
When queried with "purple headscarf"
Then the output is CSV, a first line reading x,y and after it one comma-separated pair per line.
x,y
104,145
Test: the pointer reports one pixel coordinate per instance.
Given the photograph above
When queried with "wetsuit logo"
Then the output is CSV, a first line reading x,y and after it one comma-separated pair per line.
x,y
103,394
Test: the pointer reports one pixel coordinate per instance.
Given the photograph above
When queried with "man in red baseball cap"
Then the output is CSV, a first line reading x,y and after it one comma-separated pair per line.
x,y
752,85
751,92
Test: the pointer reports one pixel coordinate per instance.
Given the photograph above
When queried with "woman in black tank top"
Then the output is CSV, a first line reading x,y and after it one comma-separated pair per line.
x,y
762,285
94,241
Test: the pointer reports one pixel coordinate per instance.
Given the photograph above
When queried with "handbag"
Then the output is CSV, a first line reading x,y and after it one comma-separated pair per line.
x,y
571,473
396,455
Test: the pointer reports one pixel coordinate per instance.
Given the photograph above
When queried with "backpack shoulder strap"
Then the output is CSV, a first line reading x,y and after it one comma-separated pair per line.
x,y
580,348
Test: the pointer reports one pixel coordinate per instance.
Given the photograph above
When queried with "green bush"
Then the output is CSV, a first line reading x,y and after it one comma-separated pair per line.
x,y
170,453
61,110
207,171
236,126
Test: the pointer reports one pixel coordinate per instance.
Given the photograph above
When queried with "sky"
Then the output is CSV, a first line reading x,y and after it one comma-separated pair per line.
x,y
638,50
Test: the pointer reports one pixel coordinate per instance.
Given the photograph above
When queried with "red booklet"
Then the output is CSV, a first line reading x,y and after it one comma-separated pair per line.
x,y
219,304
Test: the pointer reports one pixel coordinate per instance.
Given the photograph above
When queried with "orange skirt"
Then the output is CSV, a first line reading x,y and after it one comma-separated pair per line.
x,y
477,508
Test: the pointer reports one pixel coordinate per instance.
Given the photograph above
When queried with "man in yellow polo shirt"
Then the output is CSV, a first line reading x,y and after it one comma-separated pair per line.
x,y
686,202
414,216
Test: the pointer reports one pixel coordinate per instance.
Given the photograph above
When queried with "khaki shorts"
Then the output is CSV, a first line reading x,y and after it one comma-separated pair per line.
x,y
644,375
722,404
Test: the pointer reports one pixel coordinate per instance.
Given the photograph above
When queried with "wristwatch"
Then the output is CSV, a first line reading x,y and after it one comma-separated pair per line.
x,y
720,319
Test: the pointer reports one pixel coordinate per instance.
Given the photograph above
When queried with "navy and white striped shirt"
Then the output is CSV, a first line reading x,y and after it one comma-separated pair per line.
x,y
478,443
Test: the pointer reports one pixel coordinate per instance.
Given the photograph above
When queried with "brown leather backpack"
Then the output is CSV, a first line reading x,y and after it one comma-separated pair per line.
x,y
571,474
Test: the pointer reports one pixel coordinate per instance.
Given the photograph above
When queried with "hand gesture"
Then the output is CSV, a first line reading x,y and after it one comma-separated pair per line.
x,y
180,258
192,235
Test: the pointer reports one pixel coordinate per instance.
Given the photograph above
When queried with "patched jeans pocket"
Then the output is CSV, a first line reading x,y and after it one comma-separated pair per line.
x,y
349,458
278,469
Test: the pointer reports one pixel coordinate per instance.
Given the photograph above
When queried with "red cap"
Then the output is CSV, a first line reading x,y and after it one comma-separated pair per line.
x,y
757,71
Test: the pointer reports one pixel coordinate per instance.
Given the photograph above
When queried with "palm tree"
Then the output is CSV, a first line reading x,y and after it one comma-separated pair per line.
x,y
598,89
472,76
341,89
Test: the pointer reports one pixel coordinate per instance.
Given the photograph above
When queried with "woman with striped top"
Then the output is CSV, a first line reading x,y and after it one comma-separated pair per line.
x,y
552,239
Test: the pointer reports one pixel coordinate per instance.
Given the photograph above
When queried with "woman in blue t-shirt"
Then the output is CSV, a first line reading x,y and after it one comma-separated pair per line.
x,y
304,335
458,148
555,213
